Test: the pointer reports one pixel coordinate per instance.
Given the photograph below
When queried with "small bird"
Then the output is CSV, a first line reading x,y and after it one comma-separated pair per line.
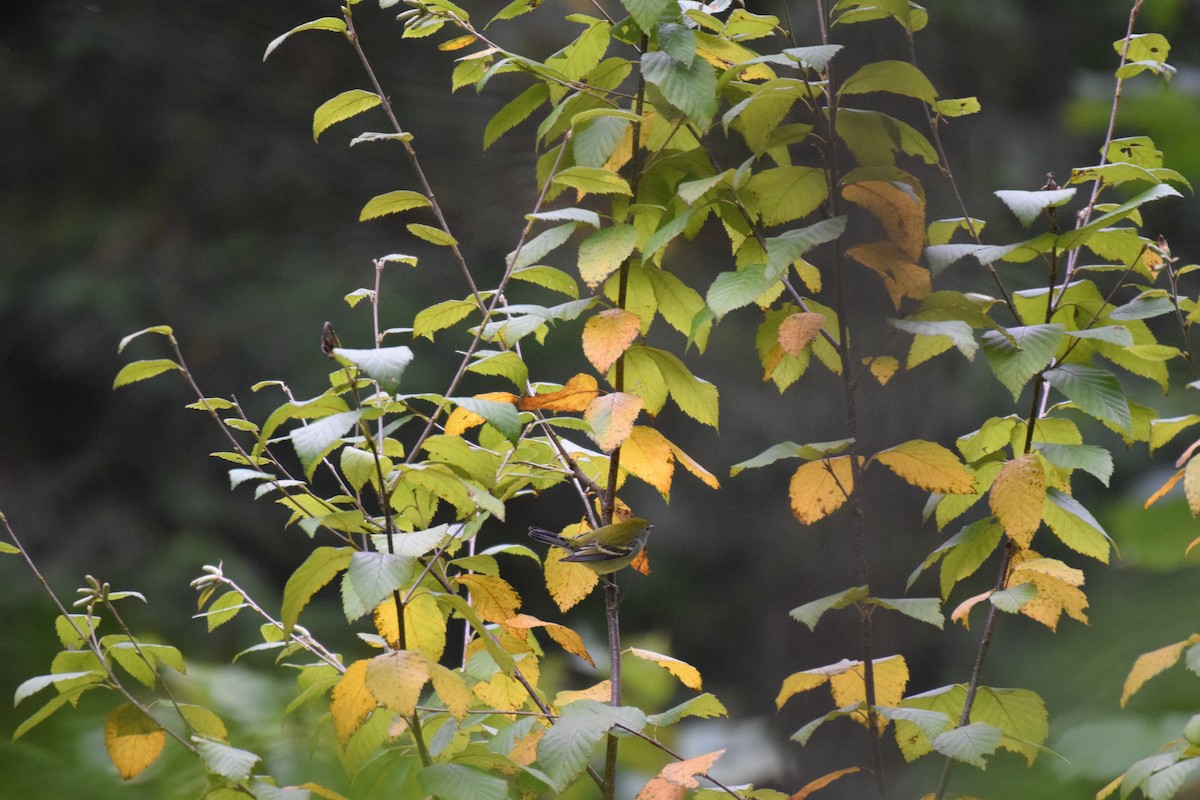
x,y
603,550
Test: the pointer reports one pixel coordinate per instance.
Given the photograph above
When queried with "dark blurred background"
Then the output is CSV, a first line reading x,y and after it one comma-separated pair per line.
x,y
154,170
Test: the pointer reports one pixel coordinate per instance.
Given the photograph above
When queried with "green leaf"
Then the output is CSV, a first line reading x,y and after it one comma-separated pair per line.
x,y
1072,239
335,24
571,214
646,12
1092,459
1075,526
161,330
597,139
564,750
440,316
1028,206
967,551
678,41
922,609
384,365
733,290
1144,47
461,782
504,417
1019,713
691,88
514,112
1017,354
874,138
503,364
372,577
969,743
1012,599
1162,431
431,234
392,203
704,706
784,249
343,107
141,370
224,609
1166,783
221,759
321,566
593,180
1143,307
816,57
1113,334
1095,391
315,440
811,612
695,397
956,331
603,252
895,77
788,193
70,695
541,245
808,452
34,685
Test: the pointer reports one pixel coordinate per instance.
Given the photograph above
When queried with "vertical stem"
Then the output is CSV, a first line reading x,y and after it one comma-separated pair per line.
x,y
862,561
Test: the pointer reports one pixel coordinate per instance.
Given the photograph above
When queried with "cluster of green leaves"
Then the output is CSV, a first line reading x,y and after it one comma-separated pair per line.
x,y
395,484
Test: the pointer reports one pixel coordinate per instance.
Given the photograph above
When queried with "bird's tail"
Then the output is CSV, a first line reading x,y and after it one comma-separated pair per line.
x,y
547,537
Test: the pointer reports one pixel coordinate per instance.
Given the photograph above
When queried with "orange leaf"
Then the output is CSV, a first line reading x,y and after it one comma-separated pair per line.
x,y
611,417
641,562
607,335
821,783
819,488
350,702
1150,664
133,739
1166,487
647,454
677,776
1017,496
901,212
902,276
964,608
799,330
566,638
574,396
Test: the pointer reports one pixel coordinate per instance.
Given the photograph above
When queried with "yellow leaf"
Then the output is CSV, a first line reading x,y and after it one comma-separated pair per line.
x,y
396,679
601,692
1017,496
882,367
524,752
928,466
1057,589
821,783
567,581
501,693
647,454
819,488
901,212
849,687
461,420
133,739
607,335
678,775
424,625
798,331
1166,487
494,598
350,701
688,675
458,43
451,688
1150,664
574,396
902,276
798,682
611,417
566,638
321,791
964,608
1191,484
692,466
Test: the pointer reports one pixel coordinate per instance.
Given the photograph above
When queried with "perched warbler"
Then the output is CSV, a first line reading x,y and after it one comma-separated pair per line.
x,y
603,550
